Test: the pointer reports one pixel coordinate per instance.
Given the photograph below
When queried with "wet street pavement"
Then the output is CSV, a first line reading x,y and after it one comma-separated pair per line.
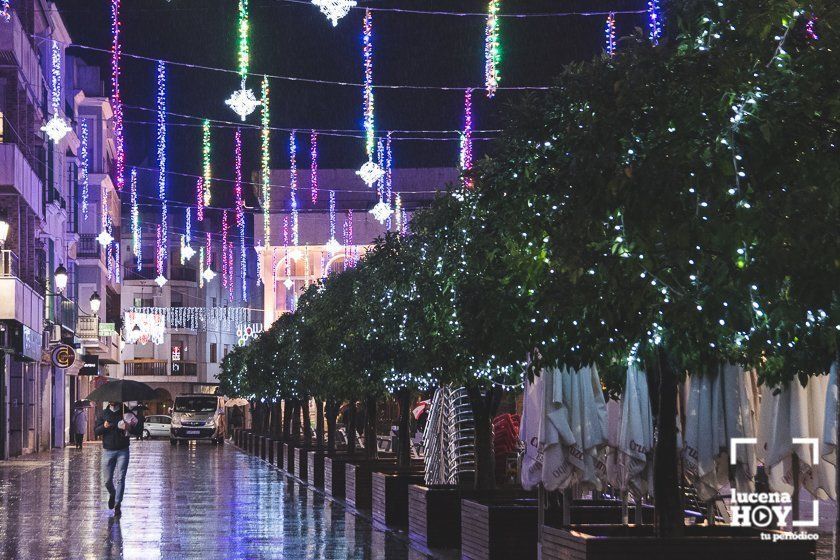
x,y
188,502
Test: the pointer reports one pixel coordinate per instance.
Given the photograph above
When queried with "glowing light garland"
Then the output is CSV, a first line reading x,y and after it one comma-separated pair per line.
x,y
810,30
187,252
334,9
225,277
84,169
6,10
265,163
136,242
205,161
492,50
207,275
293,186
116,100
381,211
313,172
332,245
370,172
199,199
57,127
230,271
654,21
398,215
161,157
389,175
160,280
240,209
466,139
609,34
243,101
104,238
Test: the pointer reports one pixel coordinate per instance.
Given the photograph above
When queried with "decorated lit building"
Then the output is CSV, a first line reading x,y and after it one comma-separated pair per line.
x,y
333,232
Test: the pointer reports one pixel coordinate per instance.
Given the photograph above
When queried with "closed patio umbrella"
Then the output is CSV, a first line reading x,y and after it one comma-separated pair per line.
x,y
630,459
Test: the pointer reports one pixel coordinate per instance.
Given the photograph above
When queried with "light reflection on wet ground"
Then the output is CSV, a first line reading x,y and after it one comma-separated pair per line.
x,y
187,502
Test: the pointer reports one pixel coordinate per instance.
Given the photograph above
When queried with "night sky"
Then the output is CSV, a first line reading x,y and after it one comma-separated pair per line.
x,y
291,38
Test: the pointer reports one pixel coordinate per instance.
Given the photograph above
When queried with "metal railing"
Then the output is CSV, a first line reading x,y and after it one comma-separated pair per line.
x,y
88,327
88,247
184,368
9,263
146,367
183,273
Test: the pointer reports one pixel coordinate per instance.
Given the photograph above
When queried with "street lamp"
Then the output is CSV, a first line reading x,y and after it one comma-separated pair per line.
x,y
95,302
60,276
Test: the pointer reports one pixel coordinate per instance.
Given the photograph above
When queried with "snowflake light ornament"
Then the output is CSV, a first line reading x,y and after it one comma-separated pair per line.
x,y
208,274
243,102
333,246
288,283
334,9
187,252
160,280
56,128
381,211
370,172
104,238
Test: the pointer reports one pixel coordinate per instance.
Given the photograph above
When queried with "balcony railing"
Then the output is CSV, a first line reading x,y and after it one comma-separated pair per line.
x,y
184,368
88,327
183,273
9,264
88,247
62,312
146,367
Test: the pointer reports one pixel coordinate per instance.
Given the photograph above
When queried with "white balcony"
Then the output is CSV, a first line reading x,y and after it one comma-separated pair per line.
x,y
18,301
16,172
16,49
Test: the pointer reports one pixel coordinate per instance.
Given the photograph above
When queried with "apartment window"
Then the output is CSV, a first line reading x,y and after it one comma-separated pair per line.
x,y
225,351
73,189
144,302
213,301
2,127
213,357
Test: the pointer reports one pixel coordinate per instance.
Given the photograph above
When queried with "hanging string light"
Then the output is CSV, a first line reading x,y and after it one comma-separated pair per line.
x,y
104,238
313,176
136,242
389,176
380,210
242,101
207,251
240,208
231,281
84,169
187,252
265,163
201,270
116,100
334,9
205,160
348,238
225,277
332,245
199,199
6,10
466,139
161,157
492,49
288,282
370,172
160,280
609,34
293,186
654,21
57,127
398,215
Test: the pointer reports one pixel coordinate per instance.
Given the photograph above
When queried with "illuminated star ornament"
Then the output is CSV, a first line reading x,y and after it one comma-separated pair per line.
x,y
370,172
334,9
57,127
243,101
381,211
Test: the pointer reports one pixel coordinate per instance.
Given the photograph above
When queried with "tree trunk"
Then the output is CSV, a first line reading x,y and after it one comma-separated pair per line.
x,y
319,424
305,422
332,417
287,420
351,428
668,513
371,448
275,421
404,449
296,422
482,408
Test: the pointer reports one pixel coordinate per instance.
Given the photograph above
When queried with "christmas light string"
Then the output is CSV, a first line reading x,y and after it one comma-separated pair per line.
x,y
398,215
231,282
187,251
288,281
609,35
84,178
370,171
265,162
243,101
5,10
136,242
225,278
467,139
116,100
293,186
381,211
161,157
199,199
240,209
159,258
810,29
389,177
332,245
313,172
492,52
654,21
201,270
56,127
205,160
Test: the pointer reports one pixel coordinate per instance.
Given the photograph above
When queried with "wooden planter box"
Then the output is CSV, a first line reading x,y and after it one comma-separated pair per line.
x,y
389,500
250,447
289,457
497,529
434,516
629,542
269,453
315,464
302,463
277,453
265,441
334,474
358,487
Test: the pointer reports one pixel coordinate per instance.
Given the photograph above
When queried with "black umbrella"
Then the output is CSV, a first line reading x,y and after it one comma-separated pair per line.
x,y
122,390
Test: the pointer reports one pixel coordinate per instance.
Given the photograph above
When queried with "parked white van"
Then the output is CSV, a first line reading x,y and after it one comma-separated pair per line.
x,y
197,417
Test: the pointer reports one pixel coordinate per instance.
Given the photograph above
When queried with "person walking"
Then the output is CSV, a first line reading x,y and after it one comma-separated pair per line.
x,y
116,430
78,423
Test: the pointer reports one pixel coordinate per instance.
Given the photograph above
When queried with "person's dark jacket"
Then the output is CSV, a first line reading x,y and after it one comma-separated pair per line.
x,y
114,438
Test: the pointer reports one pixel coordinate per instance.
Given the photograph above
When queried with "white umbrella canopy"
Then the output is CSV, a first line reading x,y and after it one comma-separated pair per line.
x,y
828,445
796,412
236,402
721,406
630,459
564,428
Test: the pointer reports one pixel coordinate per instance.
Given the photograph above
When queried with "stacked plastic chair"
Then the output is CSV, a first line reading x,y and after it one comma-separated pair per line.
x,y
449,439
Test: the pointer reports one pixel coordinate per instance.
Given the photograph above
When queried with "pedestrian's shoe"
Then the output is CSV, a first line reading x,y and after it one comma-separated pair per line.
x,y
111,499
117,510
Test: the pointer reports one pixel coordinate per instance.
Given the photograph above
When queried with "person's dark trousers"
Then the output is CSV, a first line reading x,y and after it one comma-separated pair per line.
x,y
79,438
